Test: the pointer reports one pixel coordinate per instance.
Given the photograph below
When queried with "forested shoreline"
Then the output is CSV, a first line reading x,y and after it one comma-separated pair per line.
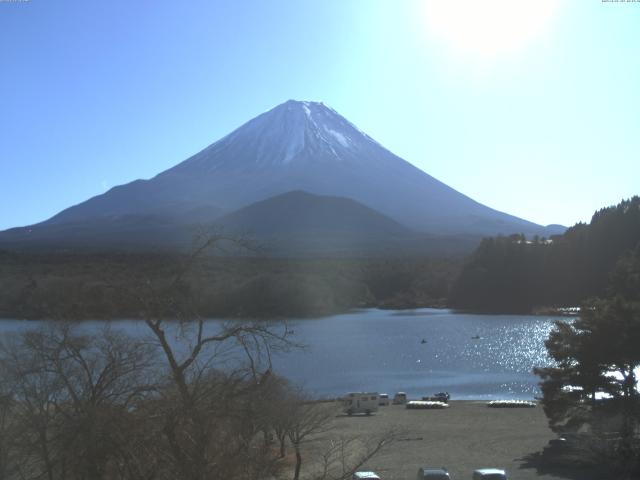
x,y
518,275
81,286
505,274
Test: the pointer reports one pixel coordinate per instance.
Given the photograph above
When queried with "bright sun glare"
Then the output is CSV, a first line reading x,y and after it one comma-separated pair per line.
x,y
486,29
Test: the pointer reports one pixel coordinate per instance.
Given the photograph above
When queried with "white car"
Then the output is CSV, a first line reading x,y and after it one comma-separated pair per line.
x,y
489,474
365,476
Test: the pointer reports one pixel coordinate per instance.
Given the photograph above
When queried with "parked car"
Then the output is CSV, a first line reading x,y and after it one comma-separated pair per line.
x,y
442,397
489,474
429,473
558,445
438,397
360,402
383,400
425,405
365,476
565,445
400,398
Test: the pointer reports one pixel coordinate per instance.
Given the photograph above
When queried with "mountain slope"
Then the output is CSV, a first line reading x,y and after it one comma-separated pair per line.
x,y
293,224
296,146
125,232
303,146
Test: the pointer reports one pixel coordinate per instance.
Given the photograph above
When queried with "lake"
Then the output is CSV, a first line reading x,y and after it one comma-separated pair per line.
x,y
470,356
420,351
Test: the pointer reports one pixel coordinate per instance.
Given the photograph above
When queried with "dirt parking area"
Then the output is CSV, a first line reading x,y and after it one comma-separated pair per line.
x,y
466,436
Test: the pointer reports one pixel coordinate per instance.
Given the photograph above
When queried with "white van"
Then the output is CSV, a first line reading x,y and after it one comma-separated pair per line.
x,y
383,400
360,402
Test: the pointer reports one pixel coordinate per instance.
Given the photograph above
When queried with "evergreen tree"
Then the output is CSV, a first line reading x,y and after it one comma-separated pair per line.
x,y
598,354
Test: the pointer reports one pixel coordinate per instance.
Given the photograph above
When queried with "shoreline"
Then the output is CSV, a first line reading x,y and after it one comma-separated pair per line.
x,y
539,312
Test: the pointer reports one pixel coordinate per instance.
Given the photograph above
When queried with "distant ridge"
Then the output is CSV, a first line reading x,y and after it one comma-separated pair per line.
x,y
300,222
292,224
299,212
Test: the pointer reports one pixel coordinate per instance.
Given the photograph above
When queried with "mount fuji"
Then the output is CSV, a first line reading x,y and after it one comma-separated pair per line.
x,y
296,146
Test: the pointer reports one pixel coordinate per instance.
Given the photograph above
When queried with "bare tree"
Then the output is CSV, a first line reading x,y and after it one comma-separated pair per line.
x,y
73,396
192,400
307,420
278,401
343,456
213,368
6,433
313,422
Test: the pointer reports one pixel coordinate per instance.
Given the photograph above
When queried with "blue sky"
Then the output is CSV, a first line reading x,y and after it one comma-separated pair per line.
x,y
533,111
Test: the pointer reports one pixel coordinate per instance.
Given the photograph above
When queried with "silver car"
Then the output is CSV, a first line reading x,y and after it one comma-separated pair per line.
x,y
428,473
489,474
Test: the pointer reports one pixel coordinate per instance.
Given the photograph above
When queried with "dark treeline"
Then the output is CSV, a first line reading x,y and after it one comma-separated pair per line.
x,y
514,274
83,286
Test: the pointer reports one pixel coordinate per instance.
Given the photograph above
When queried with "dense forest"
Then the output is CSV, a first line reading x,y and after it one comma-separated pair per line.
x,y
504,274
79,286
515,274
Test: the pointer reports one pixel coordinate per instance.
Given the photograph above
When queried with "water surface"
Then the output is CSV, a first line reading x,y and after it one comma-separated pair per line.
x,y
421,351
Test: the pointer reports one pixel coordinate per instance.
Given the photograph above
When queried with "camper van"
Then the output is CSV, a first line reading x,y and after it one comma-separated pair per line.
x,y
383,400
360,402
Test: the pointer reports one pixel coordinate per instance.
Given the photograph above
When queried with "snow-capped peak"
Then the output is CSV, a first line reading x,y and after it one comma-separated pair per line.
x,y
292,132
303,146
325,124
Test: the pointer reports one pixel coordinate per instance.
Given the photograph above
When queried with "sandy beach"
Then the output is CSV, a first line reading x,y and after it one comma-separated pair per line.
x,y
464,437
